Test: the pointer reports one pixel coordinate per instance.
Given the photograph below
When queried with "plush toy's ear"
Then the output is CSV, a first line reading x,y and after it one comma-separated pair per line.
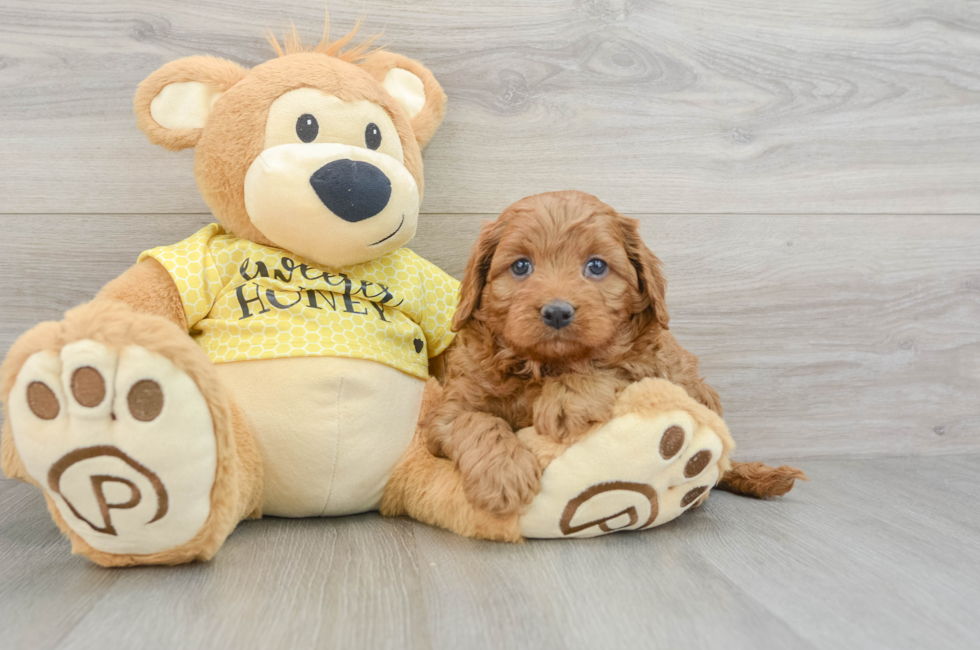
x,y
172,104
412,86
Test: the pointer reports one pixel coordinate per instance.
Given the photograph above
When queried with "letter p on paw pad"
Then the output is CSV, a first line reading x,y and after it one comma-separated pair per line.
x,y
121,441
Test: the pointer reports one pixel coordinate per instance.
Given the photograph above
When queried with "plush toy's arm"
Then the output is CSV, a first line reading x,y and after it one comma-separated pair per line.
x,y
147,287
437,366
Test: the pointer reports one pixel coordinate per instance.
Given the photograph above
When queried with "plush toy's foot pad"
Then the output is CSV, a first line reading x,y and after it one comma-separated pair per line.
x,y
639,470
122,443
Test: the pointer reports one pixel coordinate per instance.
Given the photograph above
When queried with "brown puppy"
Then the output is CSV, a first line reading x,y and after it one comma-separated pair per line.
x,y
562,307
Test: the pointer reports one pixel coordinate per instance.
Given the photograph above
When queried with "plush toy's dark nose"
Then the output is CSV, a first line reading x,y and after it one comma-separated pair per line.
x,y
352,189
557,314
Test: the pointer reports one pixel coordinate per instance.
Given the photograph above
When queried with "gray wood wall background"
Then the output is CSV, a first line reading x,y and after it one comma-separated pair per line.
x,y
809,173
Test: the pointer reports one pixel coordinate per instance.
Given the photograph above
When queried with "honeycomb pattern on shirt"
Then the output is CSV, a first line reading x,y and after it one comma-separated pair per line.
x,y
248,301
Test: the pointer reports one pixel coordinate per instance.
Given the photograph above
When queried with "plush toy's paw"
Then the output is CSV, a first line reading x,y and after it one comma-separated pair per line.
x,y
659,456
123,444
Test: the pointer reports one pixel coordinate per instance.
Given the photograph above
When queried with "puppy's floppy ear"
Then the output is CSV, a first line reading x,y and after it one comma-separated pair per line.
x,y
173,104
414,87
477,268
651,282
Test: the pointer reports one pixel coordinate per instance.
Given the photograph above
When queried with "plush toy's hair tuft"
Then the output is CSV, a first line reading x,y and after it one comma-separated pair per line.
x,y
292,43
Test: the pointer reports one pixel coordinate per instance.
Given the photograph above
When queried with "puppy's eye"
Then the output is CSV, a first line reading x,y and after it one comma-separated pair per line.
x,y
521,268
372,136
307,127
596,268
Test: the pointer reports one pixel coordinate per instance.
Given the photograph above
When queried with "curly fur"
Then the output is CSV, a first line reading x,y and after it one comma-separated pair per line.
x,y
759,480
508,370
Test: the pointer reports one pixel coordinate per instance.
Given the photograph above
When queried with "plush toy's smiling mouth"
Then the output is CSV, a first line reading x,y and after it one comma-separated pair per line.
x,y
400,224
284,205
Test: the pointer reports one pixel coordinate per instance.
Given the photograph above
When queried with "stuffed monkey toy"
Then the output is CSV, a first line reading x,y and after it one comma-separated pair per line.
x,y
275,362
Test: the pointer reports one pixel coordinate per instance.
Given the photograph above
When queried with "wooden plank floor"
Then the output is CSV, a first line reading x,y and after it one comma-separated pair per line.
x,y
727,106
834,299
808,172
873,553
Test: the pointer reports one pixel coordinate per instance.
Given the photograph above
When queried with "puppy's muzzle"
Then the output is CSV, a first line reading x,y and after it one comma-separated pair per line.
x,y
353,190
558,314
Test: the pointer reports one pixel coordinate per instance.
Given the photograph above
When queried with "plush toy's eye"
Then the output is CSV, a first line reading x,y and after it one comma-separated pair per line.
x,y
596,268
372,136
307,127
521,267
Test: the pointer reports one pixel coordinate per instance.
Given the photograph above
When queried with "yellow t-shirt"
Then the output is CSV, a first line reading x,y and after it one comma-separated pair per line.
x,y
247,301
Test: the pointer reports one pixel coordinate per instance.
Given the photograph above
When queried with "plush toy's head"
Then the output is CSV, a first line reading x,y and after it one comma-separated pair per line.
x,y
316,152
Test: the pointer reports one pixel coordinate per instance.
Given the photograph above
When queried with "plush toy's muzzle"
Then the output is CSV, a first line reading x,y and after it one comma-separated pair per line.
x,y
335,204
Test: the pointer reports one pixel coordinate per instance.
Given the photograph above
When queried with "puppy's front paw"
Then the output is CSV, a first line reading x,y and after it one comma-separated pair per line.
x,y
503,480
571,405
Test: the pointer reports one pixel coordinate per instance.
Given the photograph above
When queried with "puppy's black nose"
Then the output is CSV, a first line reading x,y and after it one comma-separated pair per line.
x,y
352,189
557,314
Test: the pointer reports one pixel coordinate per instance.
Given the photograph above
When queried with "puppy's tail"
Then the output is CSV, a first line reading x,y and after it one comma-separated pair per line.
x,y
759,480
